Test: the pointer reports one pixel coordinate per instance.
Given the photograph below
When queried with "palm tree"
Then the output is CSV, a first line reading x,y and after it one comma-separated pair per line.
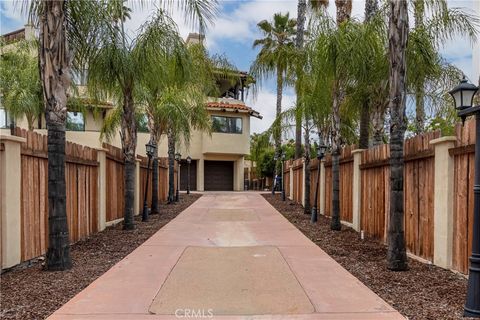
x,y
60,26
20,83
344,8
316,5
434,24
299,68
398,35
274,58
117,69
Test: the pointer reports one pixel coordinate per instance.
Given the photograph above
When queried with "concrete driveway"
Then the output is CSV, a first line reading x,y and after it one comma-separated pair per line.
x,y
228,256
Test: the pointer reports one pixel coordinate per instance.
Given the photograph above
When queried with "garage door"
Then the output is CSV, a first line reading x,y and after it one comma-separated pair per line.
x,y
219,175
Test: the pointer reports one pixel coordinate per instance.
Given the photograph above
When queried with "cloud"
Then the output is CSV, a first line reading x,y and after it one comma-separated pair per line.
x,y
265,103
12,10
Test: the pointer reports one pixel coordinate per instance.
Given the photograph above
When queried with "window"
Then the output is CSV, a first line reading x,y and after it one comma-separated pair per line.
x,y
75,121
4,118
142,124
226,124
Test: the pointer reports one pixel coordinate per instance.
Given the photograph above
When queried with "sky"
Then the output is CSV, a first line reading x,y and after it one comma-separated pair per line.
x,y
235,29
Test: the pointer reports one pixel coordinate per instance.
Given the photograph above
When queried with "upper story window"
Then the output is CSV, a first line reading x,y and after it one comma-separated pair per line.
x,y
142,124
75,121
4,118
226,124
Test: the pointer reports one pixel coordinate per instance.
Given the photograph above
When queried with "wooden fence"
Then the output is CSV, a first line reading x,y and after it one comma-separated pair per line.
x,y
297,177
115,183
464,160
162,180
346,190
419,191
81,193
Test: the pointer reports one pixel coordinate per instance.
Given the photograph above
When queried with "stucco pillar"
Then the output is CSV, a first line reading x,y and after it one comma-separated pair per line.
x,y
303,184
200,174
357,189
102,188
321,209
290,195
240,174
443,202
136,199
10,191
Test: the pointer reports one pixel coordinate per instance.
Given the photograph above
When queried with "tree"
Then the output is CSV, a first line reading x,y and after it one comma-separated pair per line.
x,y
20,82
344,8
315,5
434,24
398,37
276,53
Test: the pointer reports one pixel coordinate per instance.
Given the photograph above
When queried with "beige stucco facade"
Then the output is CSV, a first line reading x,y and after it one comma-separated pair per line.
x,y
203,146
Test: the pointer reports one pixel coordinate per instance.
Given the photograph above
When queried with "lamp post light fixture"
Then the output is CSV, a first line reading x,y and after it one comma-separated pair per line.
x,y
178,157
463,96
283,184
189,161
321,149
150,150
275,159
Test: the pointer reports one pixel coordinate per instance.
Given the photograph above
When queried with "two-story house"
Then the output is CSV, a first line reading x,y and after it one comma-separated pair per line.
x,y
217,158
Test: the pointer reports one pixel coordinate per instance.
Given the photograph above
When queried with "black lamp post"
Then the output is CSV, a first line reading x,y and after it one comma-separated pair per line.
x,y
275,158
321,149
178,157
283,184
463,95
189,160
150,150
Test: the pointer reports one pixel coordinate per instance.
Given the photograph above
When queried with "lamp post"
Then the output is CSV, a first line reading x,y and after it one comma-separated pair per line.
x,y
150,150
283,184
275,158
321,149
189,160
463,96
178,157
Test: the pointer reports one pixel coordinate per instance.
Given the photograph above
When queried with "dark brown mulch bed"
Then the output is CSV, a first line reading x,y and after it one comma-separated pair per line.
x,y
28,292
423,292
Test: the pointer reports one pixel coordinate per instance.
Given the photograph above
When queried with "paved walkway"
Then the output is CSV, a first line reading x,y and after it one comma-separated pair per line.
x,y
232,256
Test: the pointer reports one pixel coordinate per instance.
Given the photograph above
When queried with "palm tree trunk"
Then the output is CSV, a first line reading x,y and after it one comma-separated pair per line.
x,y
129,145
335,221
55,76
171,167
419,110
301,12
364,125
371,8
378,125
398,34
277,130
306,208
344,9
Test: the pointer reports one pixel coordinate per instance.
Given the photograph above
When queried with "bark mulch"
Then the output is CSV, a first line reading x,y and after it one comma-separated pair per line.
x,y
29,292
423,292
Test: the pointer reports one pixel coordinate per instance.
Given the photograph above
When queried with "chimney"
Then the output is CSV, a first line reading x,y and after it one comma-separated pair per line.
x,y
195,38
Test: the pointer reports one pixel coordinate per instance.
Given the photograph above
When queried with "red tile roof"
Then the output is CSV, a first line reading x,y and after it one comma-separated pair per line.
x,y
226,105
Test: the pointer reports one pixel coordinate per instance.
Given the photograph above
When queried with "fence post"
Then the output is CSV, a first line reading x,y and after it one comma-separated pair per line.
x,y
357,189
102,188
10,192
443,202
304,168
136,199
290,194
322,187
